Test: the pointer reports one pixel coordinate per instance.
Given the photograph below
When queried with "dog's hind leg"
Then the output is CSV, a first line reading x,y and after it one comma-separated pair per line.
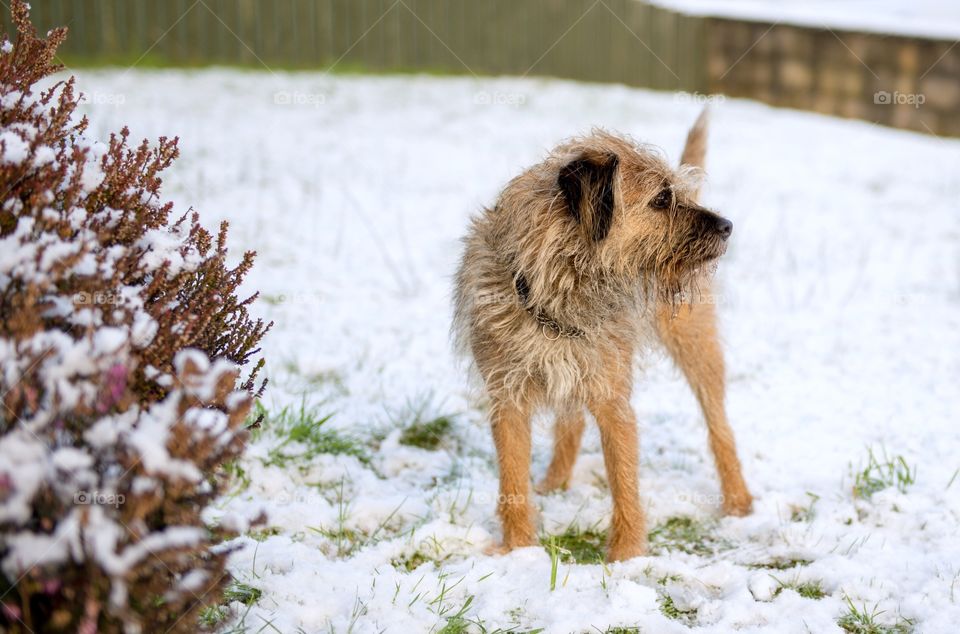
x,y
511,435
567,433
690,337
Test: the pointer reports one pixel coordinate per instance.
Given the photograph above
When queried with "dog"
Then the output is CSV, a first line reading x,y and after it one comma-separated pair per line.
x,y
584,259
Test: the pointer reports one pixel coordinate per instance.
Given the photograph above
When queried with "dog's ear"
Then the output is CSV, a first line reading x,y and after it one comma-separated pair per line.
x,y
587,184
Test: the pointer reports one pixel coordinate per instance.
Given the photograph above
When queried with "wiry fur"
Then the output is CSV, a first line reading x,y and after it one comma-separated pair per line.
x,y
579,234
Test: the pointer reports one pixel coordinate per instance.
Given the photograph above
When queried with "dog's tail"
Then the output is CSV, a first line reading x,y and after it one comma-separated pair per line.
x,y
695,151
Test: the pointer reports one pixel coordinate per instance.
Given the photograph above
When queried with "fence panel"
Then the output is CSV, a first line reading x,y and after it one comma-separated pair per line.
x,y
622,41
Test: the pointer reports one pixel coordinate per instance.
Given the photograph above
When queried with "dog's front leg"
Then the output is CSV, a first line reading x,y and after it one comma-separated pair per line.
x,y
618,435
691,338
511,435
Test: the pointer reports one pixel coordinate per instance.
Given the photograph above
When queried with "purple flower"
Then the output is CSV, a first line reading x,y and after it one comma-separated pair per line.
x,y
51,586
12,612
6,485
114,385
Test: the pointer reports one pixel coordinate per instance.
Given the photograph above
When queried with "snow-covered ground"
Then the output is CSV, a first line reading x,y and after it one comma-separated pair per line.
x,y
922,18
840,307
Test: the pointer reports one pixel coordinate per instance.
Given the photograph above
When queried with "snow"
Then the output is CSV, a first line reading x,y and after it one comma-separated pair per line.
x,y
161,246
15,149
92,175
28,549
840,307
150,439
108,340
71,459
936,19
23,468
44,154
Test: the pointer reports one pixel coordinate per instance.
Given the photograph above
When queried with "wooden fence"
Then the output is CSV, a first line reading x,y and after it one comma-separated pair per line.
x,y
899,81
625,41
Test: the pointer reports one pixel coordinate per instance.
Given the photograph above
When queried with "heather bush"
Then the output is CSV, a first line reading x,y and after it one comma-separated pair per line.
x,y
121,341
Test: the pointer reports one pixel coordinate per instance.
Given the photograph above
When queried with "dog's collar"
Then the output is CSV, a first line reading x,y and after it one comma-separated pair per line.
x,y
546,322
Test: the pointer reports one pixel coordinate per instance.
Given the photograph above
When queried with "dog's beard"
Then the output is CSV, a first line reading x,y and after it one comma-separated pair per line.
x,y
682,275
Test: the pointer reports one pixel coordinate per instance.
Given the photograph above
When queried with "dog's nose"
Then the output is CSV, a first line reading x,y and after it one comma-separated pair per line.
x,y
724,227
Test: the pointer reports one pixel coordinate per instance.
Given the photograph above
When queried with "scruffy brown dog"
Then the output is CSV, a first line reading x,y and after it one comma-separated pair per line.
x,y
584,259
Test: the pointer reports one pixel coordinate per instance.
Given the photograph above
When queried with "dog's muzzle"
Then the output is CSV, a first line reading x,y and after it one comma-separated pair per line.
x,y
723,227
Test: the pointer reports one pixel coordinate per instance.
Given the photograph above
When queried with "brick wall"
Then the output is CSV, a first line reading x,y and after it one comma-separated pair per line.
x,y
904,82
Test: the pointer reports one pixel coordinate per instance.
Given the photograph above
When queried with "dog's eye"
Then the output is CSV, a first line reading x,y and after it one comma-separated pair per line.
x,y
662,200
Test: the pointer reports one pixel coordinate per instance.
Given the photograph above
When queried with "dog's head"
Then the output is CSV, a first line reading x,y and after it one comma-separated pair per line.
x,y
638,217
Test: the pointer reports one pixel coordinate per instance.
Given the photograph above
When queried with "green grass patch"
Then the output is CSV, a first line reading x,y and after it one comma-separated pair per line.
x,y
665,579
427,434
242,592
236,474
807,589
686,535
348,540
577,546
861,621
810,590
303,436
422,422
263,534
800,513
413,561
455,626
780,564
670,610
345,539
881,473
212,616
159,60
458,623
330,382
574,546
331,379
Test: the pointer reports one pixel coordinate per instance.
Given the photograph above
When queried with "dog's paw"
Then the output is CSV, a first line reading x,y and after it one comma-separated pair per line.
x,y
495,550
738,505
549,485
505,547
623,552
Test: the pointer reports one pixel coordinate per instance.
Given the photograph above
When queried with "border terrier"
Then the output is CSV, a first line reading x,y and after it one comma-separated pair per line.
x,y
584,260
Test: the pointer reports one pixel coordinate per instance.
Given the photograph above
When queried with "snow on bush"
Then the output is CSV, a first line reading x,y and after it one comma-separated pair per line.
x,y
121,338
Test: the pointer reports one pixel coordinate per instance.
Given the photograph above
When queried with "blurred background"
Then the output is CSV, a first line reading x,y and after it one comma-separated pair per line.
x,y
891,62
